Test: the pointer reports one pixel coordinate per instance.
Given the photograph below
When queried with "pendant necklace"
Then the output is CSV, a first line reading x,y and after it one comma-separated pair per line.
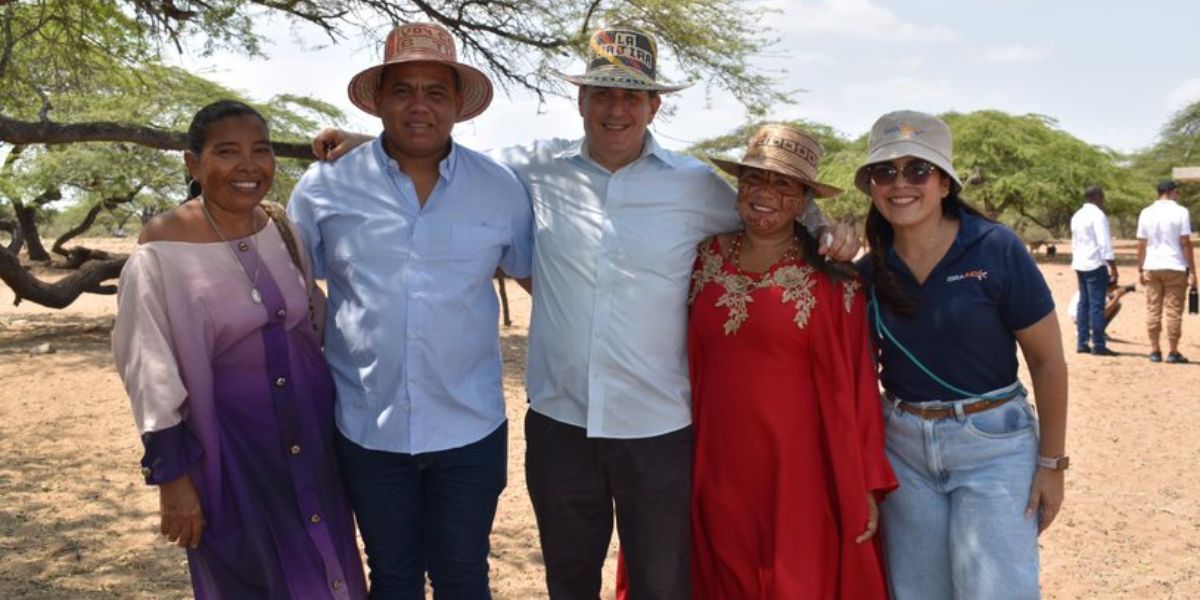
x,y
792,253
255,295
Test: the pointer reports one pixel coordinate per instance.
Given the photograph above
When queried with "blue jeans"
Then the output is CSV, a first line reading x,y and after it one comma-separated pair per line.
x,y
431,511
1089,318
956,527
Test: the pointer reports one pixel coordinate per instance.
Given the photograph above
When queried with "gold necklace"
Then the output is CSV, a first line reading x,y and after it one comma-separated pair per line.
x,y
793,253
255,295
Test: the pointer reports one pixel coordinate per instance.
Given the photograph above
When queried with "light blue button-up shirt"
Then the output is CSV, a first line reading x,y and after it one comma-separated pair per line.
x,y
614,255
412,324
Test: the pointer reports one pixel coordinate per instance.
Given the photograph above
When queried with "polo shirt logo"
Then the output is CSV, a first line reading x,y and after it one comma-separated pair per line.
x,y
979,274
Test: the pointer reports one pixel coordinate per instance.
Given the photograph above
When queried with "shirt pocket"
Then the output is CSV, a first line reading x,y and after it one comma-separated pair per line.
x,y
471,249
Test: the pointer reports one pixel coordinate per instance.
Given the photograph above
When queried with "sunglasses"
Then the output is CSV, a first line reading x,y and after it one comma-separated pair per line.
x,y
916,172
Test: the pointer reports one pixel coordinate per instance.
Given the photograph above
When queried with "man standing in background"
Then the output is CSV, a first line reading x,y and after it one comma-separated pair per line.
x,y
1095,265
1166,267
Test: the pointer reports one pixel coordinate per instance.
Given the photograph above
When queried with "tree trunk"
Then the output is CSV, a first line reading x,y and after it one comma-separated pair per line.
x,y
27,220
14,230
503,297
63,292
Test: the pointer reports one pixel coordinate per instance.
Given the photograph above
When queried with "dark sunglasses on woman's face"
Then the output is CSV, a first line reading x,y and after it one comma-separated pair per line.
x,y
916,172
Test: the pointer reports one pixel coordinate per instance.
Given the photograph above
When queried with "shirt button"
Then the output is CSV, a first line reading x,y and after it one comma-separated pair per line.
x,y
146,471
244,247
315,518
337,584
281,313
280,382
295,449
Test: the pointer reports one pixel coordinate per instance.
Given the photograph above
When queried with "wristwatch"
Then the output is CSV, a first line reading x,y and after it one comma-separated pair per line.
x,y
1054,464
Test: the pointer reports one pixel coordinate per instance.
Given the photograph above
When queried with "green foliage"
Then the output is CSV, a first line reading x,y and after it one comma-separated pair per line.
x,y
1025,168
87,61
1178,145
711,40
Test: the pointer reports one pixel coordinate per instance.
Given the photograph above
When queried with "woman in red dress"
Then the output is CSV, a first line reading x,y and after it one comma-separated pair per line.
x,y
789,462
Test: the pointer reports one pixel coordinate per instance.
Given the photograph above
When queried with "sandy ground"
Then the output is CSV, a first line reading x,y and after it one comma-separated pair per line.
x,y
76,521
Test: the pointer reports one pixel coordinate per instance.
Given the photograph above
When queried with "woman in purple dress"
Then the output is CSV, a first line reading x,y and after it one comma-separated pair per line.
x,y
232,397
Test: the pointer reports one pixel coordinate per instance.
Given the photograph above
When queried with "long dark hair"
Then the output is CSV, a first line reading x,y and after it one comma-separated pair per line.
x,y
889,289
203,121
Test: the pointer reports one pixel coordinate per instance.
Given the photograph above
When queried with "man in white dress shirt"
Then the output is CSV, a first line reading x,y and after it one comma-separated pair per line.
x,y
1094,265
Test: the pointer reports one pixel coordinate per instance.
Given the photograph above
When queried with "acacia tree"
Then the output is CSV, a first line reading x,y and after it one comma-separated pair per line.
x,y
517,41
1178,145
102,92
1025,169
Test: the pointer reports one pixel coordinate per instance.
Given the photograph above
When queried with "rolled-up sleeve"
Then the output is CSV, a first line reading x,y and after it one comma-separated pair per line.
x,y
146,361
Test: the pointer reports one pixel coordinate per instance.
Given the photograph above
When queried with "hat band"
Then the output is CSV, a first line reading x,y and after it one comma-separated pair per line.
x,y
773,163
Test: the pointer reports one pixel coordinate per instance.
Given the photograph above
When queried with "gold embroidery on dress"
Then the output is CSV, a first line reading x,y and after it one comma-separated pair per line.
x,y
796,282
849,287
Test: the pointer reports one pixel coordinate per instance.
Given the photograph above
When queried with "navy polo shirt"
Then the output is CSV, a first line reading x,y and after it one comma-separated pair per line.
x,y
984,289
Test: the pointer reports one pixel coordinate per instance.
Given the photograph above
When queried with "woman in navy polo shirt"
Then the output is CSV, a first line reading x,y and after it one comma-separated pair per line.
x,y
953,295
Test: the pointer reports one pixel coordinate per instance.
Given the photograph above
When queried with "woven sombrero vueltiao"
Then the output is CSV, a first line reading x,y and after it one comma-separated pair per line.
x,y
423,42
622,58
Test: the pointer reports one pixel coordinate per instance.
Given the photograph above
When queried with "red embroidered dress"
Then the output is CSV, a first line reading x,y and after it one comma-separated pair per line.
x,y
789,435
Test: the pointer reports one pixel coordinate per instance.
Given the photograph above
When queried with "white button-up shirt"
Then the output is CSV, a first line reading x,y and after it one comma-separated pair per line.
x,y
1163,224
612,264
1091,242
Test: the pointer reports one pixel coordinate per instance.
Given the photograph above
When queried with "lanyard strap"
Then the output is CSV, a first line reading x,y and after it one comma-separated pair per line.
x,y
884,332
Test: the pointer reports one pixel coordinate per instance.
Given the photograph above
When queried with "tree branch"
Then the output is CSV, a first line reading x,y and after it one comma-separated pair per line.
x,y
63,292
50,132
89,220
1044,225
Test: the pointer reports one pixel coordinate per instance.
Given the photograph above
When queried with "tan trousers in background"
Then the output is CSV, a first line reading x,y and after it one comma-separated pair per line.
x,y
1165,288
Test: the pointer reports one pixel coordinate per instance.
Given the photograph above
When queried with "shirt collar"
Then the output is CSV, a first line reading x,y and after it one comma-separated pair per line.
x,y
970,229
650,147
446,166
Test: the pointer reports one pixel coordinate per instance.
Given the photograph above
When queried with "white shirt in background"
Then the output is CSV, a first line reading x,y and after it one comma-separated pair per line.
x,y
1091,243
1162,224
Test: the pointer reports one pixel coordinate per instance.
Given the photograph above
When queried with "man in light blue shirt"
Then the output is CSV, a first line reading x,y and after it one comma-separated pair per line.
x,y
408,231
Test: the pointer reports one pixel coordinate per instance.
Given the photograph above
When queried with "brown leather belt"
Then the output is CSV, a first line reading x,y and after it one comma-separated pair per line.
x,y
947,412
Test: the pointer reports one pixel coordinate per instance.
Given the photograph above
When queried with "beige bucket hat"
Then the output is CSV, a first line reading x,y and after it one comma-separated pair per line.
x,y
909,133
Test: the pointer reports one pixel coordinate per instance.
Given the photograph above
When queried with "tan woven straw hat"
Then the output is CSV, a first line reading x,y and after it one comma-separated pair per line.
x,y
786,150
423,42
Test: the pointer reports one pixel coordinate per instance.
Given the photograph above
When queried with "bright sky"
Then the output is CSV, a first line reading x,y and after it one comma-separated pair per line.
x,y
1110,71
